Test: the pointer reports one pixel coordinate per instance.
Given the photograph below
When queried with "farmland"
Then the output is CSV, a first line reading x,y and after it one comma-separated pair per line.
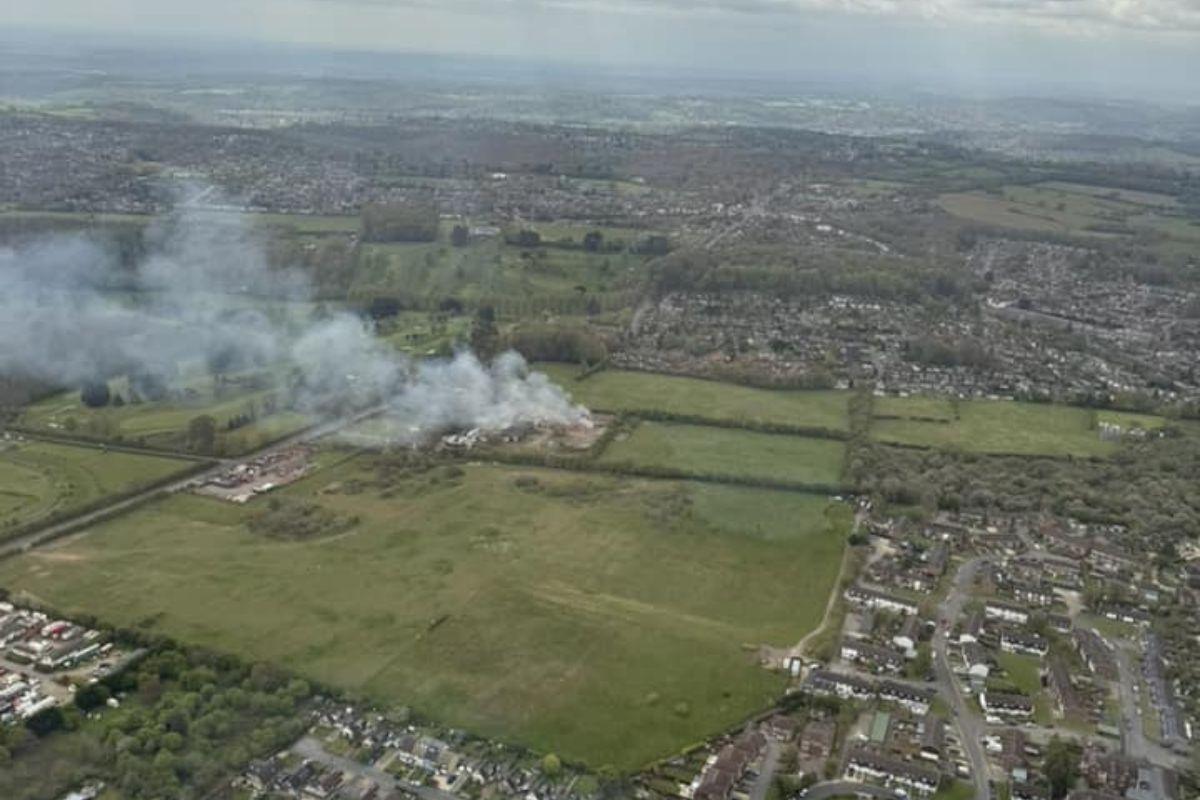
x,y
551,608
721,451
40,479
985,426
617,390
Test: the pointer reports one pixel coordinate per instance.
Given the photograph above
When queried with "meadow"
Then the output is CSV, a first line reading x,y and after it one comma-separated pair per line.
x,y
997,426
40,479
545,607
623,391
1078,210
710,451
163,424
489,270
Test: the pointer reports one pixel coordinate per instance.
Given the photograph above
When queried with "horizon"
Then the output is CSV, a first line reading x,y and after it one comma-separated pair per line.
x,y
958,57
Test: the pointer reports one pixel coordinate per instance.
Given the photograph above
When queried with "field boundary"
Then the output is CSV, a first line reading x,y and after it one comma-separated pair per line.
x,y
777,428
38,434
576,464
98,505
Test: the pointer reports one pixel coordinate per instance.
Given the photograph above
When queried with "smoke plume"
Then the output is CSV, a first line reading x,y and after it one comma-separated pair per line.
x,y
204,297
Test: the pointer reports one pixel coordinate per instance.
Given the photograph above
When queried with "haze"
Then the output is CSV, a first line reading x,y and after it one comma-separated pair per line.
x,y
1112,47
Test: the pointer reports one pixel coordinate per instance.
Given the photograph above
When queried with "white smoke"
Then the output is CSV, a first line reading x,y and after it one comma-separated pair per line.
x,y
71,313
463,393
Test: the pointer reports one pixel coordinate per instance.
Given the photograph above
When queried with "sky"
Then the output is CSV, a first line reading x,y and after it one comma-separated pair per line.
x,y
1130,47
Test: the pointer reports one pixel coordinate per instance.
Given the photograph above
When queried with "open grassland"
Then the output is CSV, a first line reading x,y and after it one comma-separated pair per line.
x,y
559,610
164,424
618,390
490,270
40,479
722,451
1079,210
997,426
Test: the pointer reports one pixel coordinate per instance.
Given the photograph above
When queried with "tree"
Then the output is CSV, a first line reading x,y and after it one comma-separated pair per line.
x,y
95,394
45,722
592,241
1061,767
526,238
92,696
460,235
551,765
485,336
202,434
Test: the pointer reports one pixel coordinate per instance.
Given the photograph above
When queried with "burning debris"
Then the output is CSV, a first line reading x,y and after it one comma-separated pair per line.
x,y
576,436
258,476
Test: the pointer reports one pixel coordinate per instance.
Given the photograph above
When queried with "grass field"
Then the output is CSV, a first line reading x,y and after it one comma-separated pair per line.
x,y
986,426
164,423
38,479
1078,210
559,610
492,270
618,390
722,451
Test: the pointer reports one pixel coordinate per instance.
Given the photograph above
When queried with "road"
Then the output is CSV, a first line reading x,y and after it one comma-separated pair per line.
x,y
310,748
41,536
970,726
762,784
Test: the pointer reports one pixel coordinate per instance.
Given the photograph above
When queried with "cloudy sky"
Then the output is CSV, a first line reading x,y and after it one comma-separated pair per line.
x,y
1130,46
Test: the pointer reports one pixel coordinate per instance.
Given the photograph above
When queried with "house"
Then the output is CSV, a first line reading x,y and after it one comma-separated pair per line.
x,y
863,763
1032,593
1006,612
1016,641
877,658
934,561
1059,623
907,637
976,661
1029,791
1068,701
817,740
822,681
933,738
866,597
1109,558
1096,653
972,628
914,699
1112,772
781,727
1000,705
1008,749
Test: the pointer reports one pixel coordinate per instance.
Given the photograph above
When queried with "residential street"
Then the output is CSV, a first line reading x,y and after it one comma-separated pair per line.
x,y
310,748
970,726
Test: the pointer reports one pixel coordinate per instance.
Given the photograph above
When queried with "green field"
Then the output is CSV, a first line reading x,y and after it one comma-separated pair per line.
x,y
618,390
723,451
39,479
558,610
512,278
995,426
164,424
1078,210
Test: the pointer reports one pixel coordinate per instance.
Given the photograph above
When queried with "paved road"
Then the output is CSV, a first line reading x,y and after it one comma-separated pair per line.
x,y
762,784
310,748
39,537
824,791
970,726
